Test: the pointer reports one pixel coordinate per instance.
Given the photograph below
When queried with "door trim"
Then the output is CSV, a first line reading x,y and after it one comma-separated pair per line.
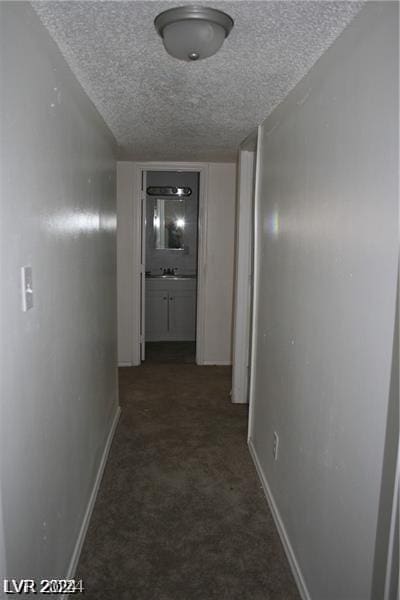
x,y
256,279
243,277
143,266
202,169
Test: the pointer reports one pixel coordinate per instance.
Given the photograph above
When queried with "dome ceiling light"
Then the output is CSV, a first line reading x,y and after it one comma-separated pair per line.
x,y
193,32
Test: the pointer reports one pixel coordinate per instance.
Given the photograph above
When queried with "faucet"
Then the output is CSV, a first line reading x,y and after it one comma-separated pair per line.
x,y
169,271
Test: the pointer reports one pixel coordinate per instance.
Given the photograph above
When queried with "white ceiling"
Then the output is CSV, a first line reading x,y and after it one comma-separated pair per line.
x,y
160,108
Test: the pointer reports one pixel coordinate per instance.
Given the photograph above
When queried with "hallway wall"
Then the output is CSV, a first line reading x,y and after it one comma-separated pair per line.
x,y
219,259
58,360
327,242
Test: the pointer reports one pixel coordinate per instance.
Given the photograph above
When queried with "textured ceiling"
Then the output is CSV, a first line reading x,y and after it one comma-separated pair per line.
x,y
160,108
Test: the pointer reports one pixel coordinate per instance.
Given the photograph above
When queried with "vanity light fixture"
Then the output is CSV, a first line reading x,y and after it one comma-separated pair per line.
x,y
168,190
193,32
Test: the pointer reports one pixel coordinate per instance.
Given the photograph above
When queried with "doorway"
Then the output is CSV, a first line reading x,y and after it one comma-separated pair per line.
x,y
170,202
170,254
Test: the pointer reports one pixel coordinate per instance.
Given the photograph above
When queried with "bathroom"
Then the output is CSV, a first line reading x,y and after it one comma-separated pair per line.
x,y
171,256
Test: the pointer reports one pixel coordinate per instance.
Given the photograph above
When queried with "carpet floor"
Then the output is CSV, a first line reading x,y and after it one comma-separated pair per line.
x,y
180,514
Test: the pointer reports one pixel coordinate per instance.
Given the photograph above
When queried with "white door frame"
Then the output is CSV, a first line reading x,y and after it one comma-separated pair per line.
x,y
202,169
256,278
243,271
143,266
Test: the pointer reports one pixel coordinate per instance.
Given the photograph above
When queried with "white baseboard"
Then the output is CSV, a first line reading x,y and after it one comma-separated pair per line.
x,y
89,509
125,364
294,565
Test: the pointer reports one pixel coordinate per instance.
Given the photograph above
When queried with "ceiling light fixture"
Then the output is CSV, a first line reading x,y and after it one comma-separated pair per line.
x,y
193,32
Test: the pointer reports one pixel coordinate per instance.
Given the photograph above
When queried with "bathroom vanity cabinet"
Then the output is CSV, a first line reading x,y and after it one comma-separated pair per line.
x,y
170,309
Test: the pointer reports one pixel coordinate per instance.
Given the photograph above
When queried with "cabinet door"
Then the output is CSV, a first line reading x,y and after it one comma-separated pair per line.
x,y
156,315
182,315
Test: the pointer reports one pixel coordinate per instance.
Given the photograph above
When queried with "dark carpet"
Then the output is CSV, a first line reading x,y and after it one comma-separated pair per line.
x,y
180,514
171,352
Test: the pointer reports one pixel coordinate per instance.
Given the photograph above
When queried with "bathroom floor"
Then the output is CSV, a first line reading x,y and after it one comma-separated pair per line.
x,y
171,352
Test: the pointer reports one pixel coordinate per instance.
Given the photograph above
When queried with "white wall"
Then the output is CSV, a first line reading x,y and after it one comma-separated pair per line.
x,y
58,385
219,256
128,230
220,250
327,242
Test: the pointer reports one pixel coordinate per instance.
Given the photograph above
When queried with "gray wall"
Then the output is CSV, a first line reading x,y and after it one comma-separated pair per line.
x,y
325,307
58,387
184,260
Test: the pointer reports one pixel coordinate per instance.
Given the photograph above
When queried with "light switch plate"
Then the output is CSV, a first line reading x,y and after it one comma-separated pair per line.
x,y
26,288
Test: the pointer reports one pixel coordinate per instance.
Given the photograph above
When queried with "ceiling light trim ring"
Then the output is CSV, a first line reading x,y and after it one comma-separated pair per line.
x,y
204,13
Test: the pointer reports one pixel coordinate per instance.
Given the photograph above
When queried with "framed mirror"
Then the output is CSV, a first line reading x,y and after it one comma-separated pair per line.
x,y
169,221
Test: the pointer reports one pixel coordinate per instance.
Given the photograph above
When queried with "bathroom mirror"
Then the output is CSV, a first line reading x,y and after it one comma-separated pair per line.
x,y
169,223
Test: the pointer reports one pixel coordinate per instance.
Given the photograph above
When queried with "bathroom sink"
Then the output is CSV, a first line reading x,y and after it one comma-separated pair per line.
x,y
171,276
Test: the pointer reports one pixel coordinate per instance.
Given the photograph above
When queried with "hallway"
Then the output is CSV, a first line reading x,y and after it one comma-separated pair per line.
x,y
180,514
256,456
